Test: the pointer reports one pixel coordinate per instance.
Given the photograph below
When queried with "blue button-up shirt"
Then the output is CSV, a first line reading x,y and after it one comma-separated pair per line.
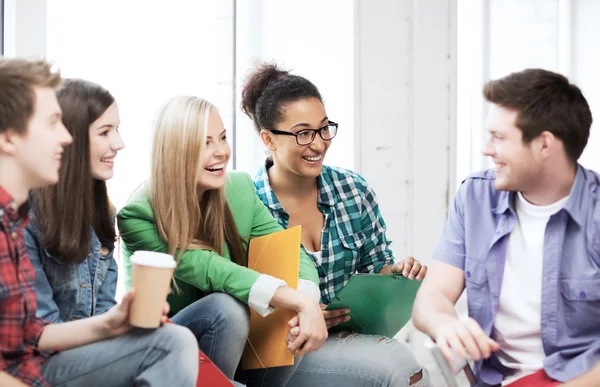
x,y
475,240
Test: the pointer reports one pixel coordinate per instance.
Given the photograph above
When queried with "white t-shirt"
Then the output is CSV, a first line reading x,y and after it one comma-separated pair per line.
x,y
517,327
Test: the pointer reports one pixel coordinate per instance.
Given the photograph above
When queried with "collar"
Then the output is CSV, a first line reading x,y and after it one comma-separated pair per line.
x,y
576,206
325,187
9,208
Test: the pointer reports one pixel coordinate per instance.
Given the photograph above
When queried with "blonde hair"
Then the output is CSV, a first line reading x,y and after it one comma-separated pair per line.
x,y
185,216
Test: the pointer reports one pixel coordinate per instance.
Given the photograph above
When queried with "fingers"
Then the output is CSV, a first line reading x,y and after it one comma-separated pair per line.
x,y
484,343
444,347
312,344
297,343
164,318
294,321
414,270
331,322
456,346
398,267
465,339
422,273
468,342
292,334
126,301
408,263
330,314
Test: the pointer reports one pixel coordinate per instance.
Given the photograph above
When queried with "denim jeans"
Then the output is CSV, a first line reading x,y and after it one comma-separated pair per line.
x,y
221,325
142,357
348,359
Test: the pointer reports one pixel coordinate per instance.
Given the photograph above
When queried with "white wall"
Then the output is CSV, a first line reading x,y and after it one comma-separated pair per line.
x,y
406,80
24,28
311,38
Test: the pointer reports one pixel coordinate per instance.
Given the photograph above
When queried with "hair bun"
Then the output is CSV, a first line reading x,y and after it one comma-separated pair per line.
x,y
256,84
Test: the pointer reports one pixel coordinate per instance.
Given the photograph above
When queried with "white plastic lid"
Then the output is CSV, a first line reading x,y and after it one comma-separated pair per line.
x,y
153,259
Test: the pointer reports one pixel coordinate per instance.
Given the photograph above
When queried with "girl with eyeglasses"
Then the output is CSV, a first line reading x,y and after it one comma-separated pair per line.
x,y
342,229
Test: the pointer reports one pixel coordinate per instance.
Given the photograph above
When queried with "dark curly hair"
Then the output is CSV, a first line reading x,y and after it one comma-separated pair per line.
x,y
267,92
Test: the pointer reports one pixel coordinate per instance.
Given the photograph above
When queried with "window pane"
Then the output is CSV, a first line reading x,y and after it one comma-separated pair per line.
x,y
144,52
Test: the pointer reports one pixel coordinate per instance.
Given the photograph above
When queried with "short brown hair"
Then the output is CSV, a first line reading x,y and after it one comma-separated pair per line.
x,y
18,80
544,101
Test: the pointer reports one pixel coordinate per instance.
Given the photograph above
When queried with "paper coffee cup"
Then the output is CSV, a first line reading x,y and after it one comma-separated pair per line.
x,y
151,280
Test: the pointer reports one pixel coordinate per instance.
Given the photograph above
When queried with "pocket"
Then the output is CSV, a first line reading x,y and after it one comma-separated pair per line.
x,y
582,304
59,273
104,262
352,242
476,283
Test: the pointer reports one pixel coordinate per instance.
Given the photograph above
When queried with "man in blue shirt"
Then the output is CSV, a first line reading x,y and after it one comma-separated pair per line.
x,y
524,240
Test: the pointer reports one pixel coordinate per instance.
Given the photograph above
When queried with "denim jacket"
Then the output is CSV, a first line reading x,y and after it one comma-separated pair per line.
x,y
71,291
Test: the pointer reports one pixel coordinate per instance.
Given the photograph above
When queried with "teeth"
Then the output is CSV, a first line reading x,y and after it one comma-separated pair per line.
x,y
58,157
216,167
107,160
317,158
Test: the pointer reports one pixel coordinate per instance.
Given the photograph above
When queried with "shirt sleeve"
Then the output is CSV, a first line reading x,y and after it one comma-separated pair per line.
x,y
375,252
46,307
203,269
34,329
262,292
309,288
451,247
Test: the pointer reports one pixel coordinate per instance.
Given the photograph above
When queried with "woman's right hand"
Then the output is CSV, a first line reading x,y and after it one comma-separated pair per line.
x,y
312,330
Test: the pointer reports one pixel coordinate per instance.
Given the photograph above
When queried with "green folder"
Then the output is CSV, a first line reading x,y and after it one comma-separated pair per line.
x,y
379,304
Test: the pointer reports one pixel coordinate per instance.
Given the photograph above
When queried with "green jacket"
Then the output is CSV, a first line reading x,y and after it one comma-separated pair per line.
x,y
204,271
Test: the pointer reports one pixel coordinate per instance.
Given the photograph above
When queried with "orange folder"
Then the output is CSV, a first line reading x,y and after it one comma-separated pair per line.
x,y
278,255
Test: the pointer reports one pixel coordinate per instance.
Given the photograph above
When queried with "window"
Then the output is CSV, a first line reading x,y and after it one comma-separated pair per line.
x,y
144,57
496,37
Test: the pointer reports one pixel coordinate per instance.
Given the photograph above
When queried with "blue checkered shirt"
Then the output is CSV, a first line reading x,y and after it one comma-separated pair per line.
x,y
353,238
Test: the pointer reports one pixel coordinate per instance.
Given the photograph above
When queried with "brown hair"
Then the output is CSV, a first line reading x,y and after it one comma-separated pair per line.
x,y
185,218
66,212
544,101
267,92
18,80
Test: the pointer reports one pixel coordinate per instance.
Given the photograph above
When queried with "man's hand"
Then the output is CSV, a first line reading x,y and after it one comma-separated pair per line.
x,y
465,339
335,317
409,268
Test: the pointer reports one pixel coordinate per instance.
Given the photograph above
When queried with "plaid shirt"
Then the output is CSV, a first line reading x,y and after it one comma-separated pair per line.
x,y
353,238
20,329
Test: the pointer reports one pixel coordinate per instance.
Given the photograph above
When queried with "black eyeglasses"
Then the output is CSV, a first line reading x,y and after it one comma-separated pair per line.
x,y
307,136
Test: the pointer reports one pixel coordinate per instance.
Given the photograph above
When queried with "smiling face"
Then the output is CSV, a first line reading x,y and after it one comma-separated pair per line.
x,y
211,174
301,160
518,164
105,143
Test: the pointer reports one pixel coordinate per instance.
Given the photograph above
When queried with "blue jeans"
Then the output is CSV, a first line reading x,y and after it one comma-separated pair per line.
x,y
221,325
348,359
142,357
